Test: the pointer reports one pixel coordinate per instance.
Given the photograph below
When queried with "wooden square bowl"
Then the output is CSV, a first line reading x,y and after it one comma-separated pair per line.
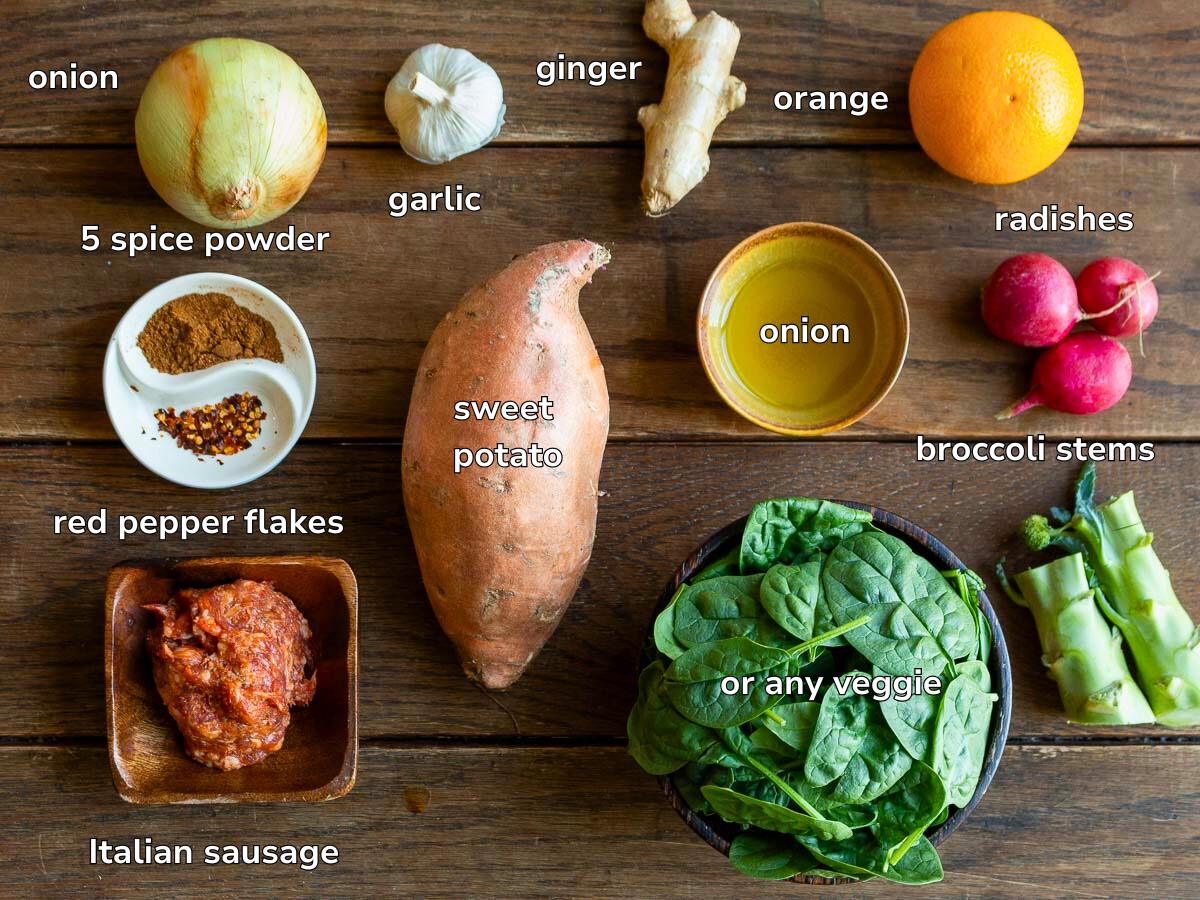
x,y
319,757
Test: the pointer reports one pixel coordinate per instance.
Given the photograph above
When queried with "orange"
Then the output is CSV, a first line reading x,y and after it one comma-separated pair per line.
x,y
996,97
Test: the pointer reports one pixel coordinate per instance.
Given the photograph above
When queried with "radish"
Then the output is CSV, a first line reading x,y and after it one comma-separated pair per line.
x,y
1031,300
1113,282
1087,373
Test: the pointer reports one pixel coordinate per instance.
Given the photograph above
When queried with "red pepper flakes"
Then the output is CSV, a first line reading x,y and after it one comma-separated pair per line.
x,y
216,429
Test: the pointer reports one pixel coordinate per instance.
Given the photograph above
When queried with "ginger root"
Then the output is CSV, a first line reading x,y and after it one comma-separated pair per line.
x,y
699,94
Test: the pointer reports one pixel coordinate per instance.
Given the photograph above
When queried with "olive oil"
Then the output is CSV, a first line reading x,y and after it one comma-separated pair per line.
x,y
800,335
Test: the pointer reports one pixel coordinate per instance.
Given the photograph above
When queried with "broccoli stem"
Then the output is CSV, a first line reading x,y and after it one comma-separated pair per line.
x,y
1079,648
1161,635
1135,594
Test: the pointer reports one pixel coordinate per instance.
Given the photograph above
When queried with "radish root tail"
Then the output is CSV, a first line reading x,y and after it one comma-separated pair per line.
x,y
1126,295
1029,401
1141,324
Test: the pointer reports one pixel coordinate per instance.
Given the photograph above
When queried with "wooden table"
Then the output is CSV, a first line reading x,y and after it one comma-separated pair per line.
x,y
532,792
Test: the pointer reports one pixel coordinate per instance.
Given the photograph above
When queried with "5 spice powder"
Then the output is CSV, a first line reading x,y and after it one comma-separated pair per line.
x,y
195,332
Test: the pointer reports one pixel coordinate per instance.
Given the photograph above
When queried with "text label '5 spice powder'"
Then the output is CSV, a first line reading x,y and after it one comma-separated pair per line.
x,y
196,331
216,429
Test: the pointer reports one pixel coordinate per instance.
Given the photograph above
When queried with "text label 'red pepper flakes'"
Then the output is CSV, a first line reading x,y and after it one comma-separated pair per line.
x,y
216,429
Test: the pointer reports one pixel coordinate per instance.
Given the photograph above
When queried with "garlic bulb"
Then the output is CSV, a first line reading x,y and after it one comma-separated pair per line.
x,y
230,132
444,102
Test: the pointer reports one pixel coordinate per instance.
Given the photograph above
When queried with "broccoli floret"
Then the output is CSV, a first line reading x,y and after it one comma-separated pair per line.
x,y
1037,533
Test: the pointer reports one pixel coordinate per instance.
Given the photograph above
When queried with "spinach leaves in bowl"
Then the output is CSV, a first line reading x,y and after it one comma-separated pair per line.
x,y
835,780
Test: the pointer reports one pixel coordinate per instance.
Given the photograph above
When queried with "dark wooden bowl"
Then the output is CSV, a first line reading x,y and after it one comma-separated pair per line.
x,y
319,757
718,833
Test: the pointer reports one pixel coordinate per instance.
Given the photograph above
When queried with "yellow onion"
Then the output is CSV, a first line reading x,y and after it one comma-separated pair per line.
x,y
230,132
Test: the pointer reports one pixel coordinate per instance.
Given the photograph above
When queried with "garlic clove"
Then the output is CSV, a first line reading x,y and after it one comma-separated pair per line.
x,y
444,102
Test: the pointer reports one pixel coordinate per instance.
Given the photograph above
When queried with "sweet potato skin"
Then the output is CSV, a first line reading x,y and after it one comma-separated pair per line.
x,y
502,550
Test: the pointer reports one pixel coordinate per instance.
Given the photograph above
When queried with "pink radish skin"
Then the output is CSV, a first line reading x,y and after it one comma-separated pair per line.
x,y
1087,373
1105,283
1030,301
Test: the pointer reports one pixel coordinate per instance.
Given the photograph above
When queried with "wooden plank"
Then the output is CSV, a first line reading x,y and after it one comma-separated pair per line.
x,y
372,298
660,502
588,822
1138,63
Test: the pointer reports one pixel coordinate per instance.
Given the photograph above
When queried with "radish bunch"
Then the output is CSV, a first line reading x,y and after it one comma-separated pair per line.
x,y
1031,300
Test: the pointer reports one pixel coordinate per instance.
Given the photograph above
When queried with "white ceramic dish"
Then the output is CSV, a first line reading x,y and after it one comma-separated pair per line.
x,y
134,391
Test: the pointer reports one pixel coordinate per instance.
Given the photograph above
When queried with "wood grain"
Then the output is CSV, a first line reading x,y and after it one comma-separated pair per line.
x,y
1137,58
372,299
660,502
535,822
529,793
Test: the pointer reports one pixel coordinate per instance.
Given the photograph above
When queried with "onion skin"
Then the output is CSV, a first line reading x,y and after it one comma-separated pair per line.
x,y
230,132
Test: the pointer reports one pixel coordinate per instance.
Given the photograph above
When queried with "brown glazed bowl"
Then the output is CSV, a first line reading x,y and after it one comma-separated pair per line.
x,y
718,833
319,757
818,247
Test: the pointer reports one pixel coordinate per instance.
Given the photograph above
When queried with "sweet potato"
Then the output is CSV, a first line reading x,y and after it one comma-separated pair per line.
x,y
502,550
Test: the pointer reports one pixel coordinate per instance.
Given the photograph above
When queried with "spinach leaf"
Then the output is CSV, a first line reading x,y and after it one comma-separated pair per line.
x,y
697,772
907,810
916,619
782,530
740,745
978,672
863,857
725,564
853,746
688,785
969,586
817,661
860,856
734,807
725,607
768,746
855,815
823,619
743,748
984,630
770,856
660,739
960,739
920,865
749,782
789,595
913,720
852,816
664,628
793,723
693,681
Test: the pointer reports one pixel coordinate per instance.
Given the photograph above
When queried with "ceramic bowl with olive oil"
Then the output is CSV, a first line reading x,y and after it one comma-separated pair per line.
x,y
803,328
